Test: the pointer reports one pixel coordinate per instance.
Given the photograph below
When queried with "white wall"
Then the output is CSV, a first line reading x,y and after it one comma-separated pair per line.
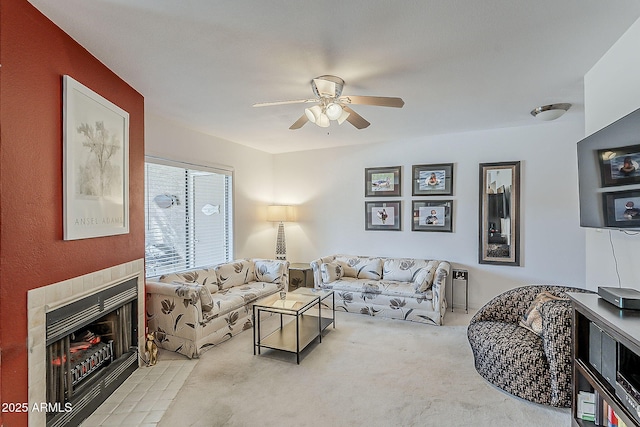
x,y
329,187
252,179
612,90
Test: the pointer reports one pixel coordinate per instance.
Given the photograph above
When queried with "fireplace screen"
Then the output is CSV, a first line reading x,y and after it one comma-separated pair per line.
x,y
86,342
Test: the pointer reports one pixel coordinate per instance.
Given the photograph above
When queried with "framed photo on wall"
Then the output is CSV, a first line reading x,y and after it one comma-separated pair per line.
x,y
432,215
433,180
622,209
95,164
382,182
382,216
620,166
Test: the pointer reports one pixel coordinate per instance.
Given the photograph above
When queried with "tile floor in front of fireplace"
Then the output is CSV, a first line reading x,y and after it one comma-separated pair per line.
x,y
145,396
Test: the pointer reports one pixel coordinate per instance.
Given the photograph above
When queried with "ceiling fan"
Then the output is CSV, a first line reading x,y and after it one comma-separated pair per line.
x,y
332,105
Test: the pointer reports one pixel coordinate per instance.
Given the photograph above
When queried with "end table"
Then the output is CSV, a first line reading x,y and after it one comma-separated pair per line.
x,y
300,276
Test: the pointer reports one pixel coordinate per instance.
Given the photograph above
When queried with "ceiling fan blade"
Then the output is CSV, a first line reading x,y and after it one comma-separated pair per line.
x,y
356,119
297,101
382,101
300,122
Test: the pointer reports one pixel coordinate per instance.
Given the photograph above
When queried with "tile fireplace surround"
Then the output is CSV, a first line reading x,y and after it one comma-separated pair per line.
x,y
47,298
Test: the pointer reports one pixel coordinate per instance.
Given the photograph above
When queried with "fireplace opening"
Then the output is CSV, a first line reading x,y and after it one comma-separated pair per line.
x,y
91,349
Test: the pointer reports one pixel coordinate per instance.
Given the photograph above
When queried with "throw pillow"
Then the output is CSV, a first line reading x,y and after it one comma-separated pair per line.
x,y
235,273
361,267
400,270
195,292
532,318
330,272
424,278
269,271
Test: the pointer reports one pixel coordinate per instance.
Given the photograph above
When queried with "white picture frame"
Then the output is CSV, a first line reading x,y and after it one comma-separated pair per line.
x,y
95,164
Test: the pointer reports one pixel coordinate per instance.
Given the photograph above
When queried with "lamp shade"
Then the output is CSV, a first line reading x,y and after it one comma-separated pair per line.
x,y
280,213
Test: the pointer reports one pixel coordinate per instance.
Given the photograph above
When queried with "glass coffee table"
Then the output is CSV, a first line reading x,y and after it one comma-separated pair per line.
x,y
301,320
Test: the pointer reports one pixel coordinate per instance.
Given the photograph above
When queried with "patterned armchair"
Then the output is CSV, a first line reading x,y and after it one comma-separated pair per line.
x,y
517,360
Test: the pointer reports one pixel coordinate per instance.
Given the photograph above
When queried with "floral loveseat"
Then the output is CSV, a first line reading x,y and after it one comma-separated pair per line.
x,y
398,288
193,310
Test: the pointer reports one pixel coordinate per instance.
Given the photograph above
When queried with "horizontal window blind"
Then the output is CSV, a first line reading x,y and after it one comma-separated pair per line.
x,y
188,217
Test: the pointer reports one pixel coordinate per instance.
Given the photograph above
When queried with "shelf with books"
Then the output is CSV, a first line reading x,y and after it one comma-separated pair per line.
x,y
606,349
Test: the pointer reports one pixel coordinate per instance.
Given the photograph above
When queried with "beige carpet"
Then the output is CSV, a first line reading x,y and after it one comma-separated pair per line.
x,y
366,372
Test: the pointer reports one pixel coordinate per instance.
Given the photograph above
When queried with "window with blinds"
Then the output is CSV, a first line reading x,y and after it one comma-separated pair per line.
x,y
188,216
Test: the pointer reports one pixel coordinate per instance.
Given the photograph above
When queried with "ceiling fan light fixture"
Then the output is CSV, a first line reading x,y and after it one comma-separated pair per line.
x,y
313,113
343,116
333,111
550,112
323,121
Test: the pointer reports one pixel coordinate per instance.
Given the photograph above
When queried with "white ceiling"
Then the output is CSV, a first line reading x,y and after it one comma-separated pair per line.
x,y
459,65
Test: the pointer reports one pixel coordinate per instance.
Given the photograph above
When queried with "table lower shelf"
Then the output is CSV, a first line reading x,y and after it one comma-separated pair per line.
x,y
285,338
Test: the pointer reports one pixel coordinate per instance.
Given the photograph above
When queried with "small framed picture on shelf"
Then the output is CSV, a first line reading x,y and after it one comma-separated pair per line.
x,y
382,216
620,166
433,180
382,182
432,215
622,209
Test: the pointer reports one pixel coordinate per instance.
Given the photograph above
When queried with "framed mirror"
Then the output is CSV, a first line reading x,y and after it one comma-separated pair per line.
x,y
499,214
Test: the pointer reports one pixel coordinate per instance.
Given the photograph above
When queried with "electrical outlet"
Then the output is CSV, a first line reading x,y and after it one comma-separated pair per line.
x,y
460,274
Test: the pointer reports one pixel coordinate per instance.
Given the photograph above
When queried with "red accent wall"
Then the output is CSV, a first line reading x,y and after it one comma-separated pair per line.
x,y
34,55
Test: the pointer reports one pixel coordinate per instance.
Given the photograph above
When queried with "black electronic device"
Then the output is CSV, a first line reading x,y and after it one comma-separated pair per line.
x,y
626,298
628,380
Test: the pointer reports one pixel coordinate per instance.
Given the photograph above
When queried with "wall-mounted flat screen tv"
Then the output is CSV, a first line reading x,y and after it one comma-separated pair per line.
x,y
609,175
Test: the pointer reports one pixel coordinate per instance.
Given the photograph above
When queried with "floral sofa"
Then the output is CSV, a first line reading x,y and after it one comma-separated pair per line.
x,y
193,310
398,288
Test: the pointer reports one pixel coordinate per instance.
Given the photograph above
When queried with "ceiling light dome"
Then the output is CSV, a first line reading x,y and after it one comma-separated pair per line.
x,y
550,112
313,113
323,121
333,111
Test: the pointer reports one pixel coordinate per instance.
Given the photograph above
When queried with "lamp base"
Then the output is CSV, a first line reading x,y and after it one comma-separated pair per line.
x,y
281,247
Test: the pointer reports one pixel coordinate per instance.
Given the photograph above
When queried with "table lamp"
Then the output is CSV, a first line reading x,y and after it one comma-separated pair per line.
x,y
281,214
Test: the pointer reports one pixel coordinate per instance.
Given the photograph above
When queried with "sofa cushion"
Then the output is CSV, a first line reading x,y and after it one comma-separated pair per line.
x,y
361,267
235,273
402,269
253,291
205,277
269,271
330,272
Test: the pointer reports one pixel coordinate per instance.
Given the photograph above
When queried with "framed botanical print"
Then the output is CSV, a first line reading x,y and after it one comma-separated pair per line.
x,y
95,164
432,215
382,182
382,216
433,180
